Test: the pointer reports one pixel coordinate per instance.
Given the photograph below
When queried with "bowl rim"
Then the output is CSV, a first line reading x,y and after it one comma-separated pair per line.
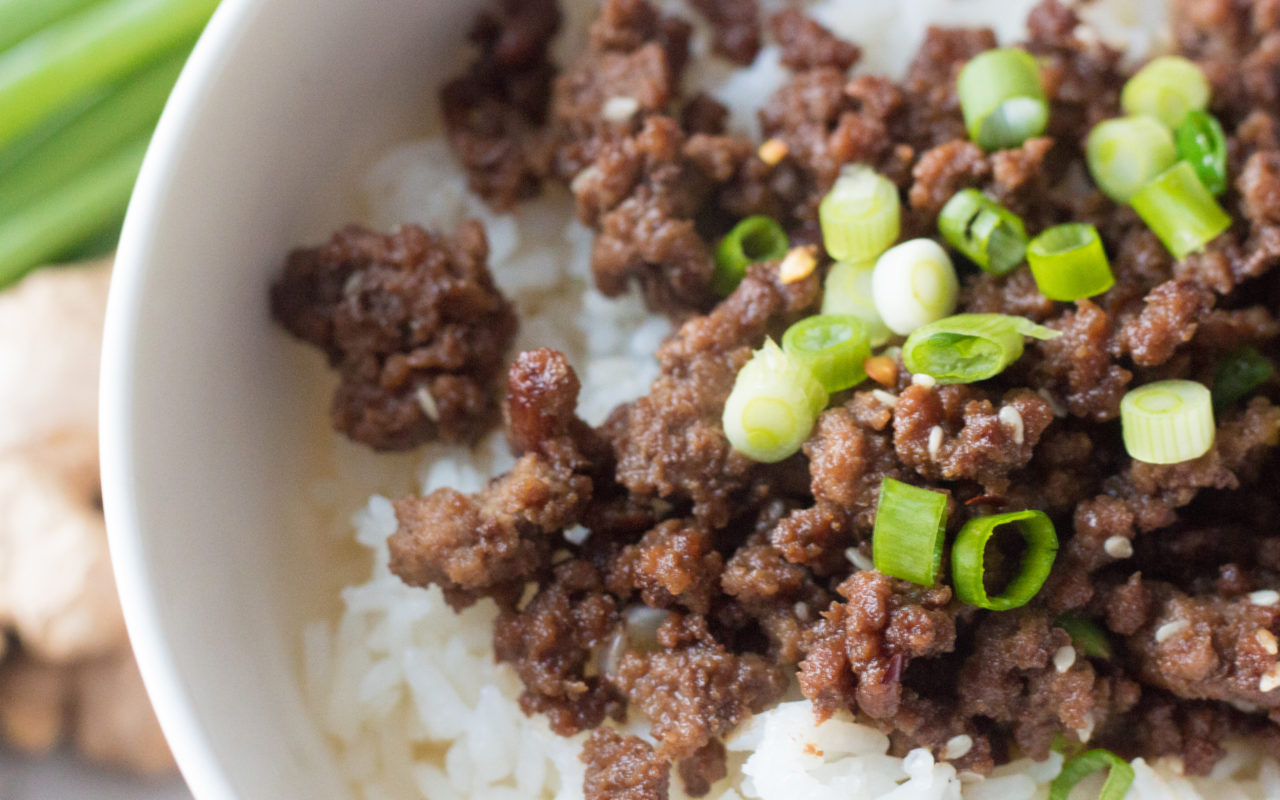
x,y
171,700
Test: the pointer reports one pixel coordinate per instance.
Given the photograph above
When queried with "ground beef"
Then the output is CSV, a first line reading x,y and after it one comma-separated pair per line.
x,y
414,325
623,768
808,45
702,769
736,25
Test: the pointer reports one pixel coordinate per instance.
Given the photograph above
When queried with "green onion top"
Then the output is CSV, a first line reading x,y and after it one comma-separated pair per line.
x,y
1086,636
968,555
1069,263
967,348
1077,769
773,405
1002,98
987,233
1203,144
1124,154
861,215
1167,422
911,525
752,240
1166,89
1242,371
847,290
1180,210
832,346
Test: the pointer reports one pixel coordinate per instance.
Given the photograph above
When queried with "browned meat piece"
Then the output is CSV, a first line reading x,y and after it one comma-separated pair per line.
x,y
702,769
1078,367
1172,313
945,170
675,564
623,768
783,598
808,45
670,443
542,398
414,324
1259,185
736,27
932,111
704,114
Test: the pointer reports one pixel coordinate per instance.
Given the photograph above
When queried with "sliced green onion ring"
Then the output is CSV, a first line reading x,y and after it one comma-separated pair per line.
x,y
773,405
987,233
1068,262
1002,98
848,291
861,215
966,348
832,346
1181,211
1077,769
1167,422
968,554
1166,89
1125,154
914,284
911,525
1203,144
1242,371
752,240
1086,636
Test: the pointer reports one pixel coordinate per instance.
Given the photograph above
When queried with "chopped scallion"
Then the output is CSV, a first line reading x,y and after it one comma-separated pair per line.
x,y
1068,262
752,240
1086,636
1077,769
987,233
848,291
861,215
773,405
1181,211
969,347
968,555
1242,371
832,346
1167,88
1002,98
1203,144
1125,154
910,527
914,284
1167,422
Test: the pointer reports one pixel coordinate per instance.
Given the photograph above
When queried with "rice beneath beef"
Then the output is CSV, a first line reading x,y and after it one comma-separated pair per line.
x,y
408,691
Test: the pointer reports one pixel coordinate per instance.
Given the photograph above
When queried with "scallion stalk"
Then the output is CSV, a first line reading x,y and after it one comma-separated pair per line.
x,y
1002,98
21,18
910,528
987,233
1086,636
1124,154
1166,89
832,346
966,348
914,284
847,290
1069,262
1203,144
773,405
1077,769
1180,210
861,215
1167,422
752,240
1241,371
968,554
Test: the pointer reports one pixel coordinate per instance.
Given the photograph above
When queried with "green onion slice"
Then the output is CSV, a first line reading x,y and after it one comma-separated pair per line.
x,y
1242,371
848,291
1166,89
1167,422
914,284
1086,636
752,240
911,524
969,552
969,347
832,346
773,405
1125,154
1068,262
1181,211
1077,769
987,233
1002,98
1203,144
861,215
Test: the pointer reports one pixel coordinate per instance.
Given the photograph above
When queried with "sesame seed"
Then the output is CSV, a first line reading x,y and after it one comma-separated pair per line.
x,y
1086,733
798,264
1245,706
427,403
802,611
1267,640
576,535
1064,658
1270,679
935,441
618,109
1171,629
353,283
1055,405
1013,418
773,151
885,398
927,381
957,746
584,177
856,558
1118,547
1264,597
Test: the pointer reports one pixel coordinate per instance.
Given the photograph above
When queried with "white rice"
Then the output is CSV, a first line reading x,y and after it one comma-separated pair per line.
x,y
407,691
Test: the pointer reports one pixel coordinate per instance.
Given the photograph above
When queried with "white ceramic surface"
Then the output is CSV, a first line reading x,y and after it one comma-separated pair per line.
x,y
203,445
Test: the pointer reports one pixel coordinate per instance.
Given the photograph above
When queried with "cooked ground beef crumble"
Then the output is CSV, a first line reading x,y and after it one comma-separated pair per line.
x,y
709,582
